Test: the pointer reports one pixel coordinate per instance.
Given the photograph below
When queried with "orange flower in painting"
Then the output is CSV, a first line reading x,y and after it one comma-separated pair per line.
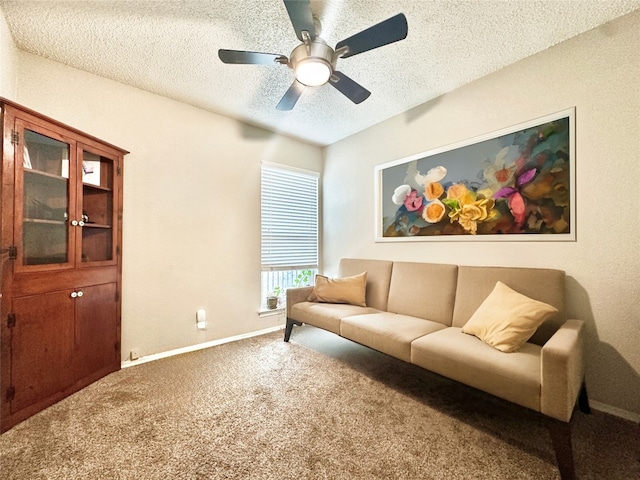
x,y
434,190
434,211
460,192
503,175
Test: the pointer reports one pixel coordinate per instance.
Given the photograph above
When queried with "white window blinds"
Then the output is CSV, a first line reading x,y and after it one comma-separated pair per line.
x,y
289,218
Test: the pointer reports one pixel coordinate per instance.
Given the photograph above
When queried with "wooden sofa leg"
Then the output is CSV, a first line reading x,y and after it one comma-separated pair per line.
x,y
583,399
561,438
289,327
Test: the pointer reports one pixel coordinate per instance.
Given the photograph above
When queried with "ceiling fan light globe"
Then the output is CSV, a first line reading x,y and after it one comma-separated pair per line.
x,y
313,72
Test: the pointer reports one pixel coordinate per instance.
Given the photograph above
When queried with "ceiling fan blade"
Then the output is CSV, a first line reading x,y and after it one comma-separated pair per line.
x,y
350,89
254,58
291,97
301,17
391,30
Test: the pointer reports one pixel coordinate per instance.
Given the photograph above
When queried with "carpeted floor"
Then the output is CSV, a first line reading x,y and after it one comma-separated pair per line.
x,y
319,407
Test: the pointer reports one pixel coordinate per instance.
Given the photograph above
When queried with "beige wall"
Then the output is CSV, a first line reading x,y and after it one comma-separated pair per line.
x,y
598,73
8,60
191,203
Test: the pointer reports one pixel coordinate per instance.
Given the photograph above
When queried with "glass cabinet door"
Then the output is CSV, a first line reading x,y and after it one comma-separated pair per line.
x,y
44,212
96,203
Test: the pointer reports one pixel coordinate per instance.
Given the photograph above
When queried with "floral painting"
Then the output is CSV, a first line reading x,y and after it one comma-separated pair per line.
x,y
509,185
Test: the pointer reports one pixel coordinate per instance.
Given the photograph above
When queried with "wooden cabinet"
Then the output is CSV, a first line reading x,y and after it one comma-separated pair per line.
x,y
61,220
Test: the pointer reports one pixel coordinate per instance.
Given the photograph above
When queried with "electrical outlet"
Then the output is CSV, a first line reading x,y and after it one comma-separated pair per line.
x,y
134,354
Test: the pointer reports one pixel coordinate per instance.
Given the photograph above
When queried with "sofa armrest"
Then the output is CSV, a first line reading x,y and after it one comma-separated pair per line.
x,y
296,295
562,370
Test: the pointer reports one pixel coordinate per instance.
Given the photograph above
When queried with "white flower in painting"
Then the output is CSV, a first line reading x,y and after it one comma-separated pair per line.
x,y
400,194
497,174
434,175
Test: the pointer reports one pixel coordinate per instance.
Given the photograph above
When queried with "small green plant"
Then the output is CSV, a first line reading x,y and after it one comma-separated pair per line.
x,y
302,279
276,292
273,297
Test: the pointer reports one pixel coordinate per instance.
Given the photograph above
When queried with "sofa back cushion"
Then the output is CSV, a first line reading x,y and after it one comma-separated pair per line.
x,y
378,277
543,284
423,290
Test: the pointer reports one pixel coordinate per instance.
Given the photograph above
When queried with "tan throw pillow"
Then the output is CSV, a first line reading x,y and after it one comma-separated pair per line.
x,y
507,319
340,290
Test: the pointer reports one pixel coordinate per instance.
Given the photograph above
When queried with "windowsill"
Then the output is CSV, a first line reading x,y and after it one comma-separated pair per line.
x,y
265,312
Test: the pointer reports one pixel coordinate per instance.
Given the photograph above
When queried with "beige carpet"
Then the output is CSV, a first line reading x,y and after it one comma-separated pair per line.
x,y
319,407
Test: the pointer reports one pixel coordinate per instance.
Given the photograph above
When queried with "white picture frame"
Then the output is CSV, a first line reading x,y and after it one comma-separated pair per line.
x,y
546,144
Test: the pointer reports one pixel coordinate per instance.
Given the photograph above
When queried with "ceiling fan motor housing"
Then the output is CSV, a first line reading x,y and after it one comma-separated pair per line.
x,y
312,63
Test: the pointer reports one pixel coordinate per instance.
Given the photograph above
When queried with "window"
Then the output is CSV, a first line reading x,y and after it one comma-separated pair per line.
x,y
289,228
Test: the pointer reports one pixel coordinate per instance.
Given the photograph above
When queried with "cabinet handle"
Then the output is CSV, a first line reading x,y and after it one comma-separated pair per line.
x,y
80,293
81,223
74,294
74,223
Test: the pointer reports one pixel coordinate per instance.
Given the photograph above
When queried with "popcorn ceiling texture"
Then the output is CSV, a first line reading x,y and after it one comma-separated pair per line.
x,y
170,48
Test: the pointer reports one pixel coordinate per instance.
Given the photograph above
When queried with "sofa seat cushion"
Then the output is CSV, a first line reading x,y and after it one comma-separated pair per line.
x,y
512,376
390,333
326,315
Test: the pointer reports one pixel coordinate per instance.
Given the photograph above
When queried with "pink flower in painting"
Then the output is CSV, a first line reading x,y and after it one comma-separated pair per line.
x,y
407,196
413,201
514,198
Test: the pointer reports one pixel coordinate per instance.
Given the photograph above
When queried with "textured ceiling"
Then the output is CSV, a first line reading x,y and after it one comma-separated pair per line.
x,y
170,48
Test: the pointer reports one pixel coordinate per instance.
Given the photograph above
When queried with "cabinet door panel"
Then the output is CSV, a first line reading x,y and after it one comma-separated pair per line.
x,y
98,202
44,157
41,347
96,331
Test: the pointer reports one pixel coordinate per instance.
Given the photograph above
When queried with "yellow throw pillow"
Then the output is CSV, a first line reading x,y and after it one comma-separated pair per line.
x,y
340,290
507,319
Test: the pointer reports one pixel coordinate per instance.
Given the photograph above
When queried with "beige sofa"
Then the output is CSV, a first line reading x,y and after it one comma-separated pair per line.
x,y
416,311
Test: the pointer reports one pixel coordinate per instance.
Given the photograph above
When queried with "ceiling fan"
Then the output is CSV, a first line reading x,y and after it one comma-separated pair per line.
x,y
314,62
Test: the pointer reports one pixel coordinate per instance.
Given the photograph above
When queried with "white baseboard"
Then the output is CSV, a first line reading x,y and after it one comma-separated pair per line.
x,y
618,412
199,346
